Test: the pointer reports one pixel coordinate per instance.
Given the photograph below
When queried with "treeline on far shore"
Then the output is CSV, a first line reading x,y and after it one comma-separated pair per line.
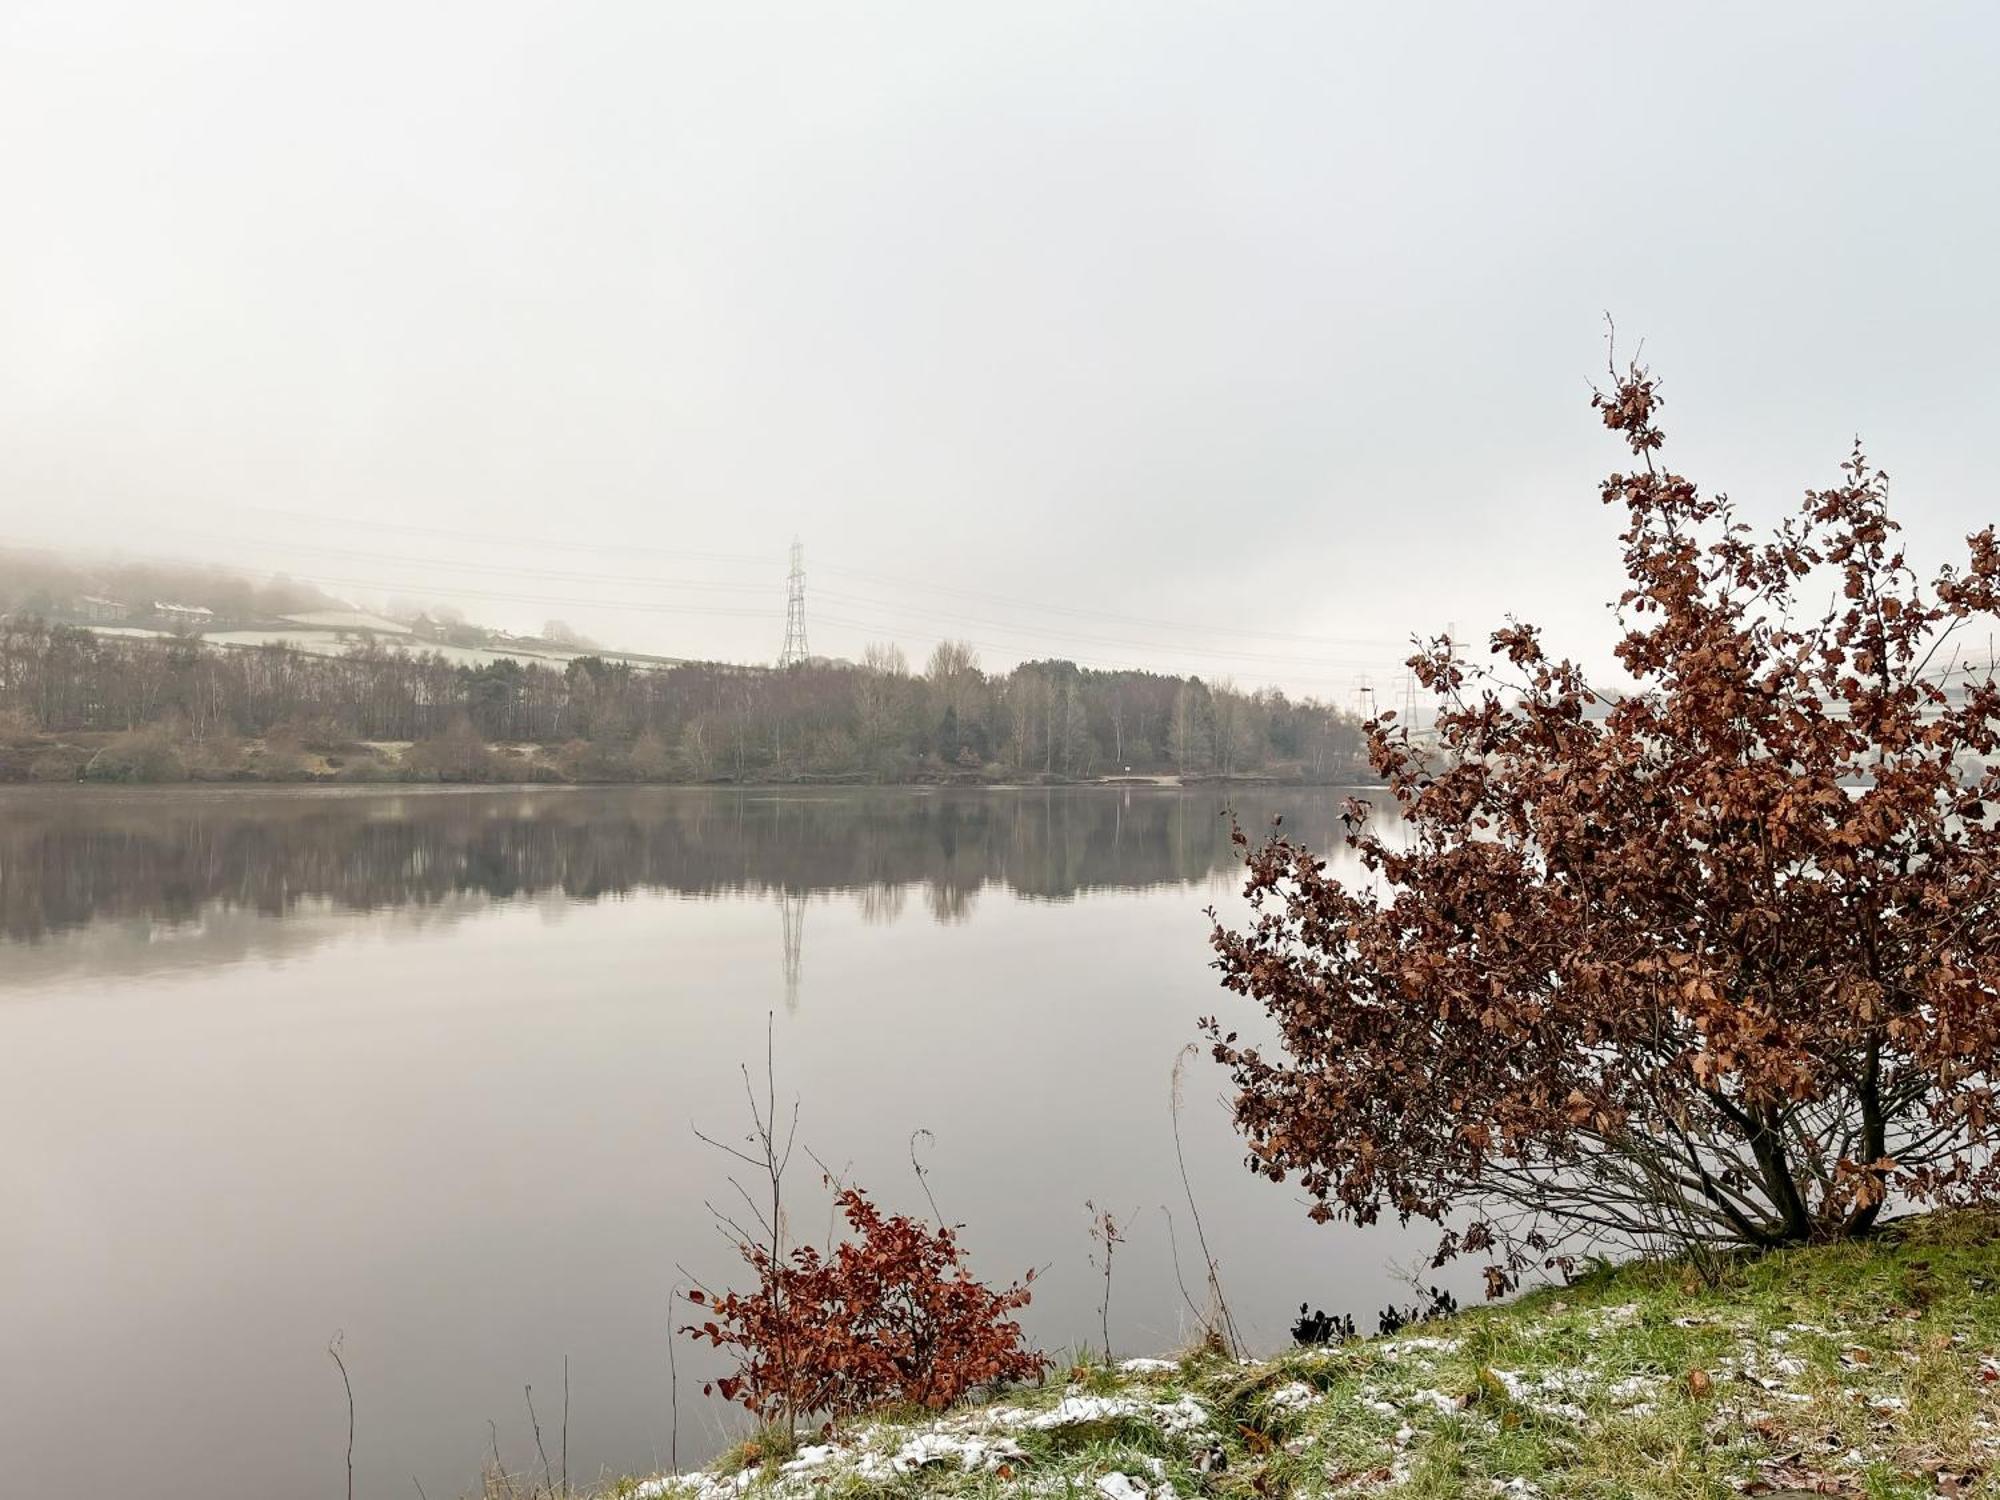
x,y
77,705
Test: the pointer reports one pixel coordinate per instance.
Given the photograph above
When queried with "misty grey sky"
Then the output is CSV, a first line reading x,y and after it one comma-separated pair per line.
x,y
1239,339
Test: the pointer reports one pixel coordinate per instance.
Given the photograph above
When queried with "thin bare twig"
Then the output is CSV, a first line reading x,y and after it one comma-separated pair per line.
x,y
1174,1250
1228,1329
838,1181
499,1468
924,1177
772,1159
333,1349
1104,1229
533,1422
673,1385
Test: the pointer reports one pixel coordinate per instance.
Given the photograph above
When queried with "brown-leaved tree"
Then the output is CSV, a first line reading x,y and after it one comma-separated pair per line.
x,y
1712,959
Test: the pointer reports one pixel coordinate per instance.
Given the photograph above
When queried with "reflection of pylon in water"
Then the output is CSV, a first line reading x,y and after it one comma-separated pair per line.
x,y
792,909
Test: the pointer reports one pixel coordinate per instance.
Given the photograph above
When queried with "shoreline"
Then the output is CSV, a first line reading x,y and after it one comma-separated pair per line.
x,y
57,761
1867,1368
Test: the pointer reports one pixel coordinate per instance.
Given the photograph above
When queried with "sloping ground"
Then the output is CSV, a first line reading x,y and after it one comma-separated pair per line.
x,y
1853,1370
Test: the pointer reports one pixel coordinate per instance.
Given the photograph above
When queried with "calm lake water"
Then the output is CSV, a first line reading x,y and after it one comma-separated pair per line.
x,y
421,1067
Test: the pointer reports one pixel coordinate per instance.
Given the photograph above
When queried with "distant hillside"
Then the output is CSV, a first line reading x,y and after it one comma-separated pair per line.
x,y
153,673
230,609
76,591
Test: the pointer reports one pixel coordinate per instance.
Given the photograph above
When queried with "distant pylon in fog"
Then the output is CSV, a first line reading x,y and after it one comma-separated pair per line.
x,y
795,654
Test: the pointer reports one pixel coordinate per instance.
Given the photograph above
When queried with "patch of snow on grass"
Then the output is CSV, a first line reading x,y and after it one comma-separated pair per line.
x,y
1630,1389
1393,1352
699,1486
934,1447
1080,1411
812,1456
1183,1416
1292,1397
1174,1417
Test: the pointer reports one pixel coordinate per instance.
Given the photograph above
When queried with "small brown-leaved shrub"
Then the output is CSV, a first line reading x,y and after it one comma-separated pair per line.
x,y
889,1315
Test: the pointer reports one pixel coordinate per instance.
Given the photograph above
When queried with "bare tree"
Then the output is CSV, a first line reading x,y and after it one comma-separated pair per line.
x,y
770,1157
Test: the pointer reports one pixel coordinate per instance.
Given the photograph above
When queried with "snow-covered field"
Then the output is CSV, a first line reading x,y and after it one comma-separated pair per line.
x,y
337,643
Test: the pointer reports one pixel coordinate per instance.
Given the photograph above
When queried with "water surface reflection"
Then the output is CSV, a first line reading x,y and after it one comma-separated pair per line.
x,y
422,1066
168,878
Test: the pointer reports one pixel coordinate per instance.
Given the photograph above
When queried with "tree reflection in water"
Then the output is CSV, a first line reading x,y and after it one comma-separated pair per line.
x,y
163,859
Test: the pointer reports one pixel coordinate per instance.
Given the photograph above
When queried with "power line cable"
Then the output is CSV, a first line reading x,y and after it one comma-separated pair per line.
x,y
1097,640
1205,627
900,583
543,544
1062,640
453,565
1031,632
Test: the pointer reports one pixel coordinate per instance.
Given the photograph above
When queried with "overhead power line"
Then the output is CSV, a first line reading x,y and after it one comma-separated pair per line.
x,y
540,544
1054,632
901,584
1204,627
504,595
1026,638
453,565
1057,639
1291,682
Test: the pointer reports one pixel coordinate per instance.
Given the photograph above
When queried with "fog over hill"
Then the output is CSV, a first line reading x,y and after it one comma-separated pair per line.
x,y
1239,342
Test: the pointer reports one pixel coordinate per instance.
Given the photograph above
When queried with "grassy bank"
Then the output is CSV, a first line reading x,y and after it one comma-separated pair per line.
x,y
1861,1370
151,756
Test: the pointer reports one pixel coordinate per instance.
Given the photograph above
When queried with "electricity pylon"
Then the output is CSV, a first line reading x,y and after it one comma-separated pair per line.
x,y
795,654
